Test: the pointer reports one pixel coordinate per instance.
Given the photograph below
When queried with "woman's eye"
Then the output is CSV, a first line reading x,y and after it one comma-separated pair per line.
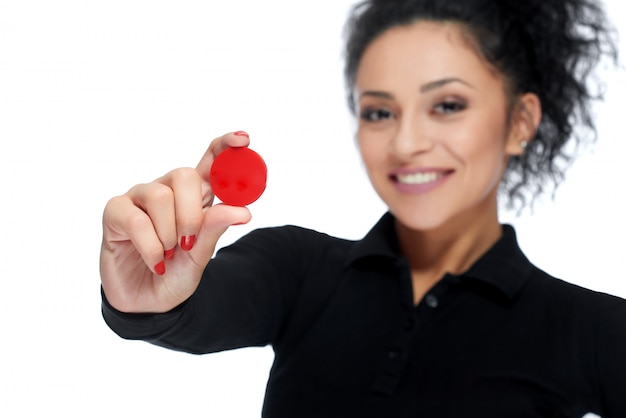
x,y
449,107
376,115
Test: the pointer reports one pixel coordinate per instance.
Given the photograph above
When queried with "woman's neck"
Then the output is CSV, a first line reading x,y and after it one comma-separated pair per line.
x,y
450,248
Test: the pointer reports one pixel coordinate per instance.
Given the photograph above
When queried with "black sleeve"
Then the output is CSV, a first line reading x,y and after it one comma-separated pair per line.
x,y
246,294
611,357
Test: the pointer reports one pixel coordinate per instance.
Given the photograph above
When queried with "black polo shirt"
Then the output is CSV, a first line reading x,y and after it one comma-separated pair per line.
x,y
503,339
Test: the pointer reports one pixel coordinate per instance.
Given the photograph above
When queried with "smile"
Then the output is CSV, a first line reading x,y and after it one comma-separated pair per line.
x,y
418,178
420,181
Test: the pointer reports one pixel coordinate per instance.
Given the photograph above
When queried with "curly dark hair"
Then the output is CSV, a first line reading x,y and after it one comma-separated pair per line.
x,y
547,47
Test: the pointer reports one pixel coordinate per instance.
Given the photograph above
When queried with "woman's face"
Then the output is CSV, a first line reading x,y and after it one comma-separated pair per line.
x,y
432,129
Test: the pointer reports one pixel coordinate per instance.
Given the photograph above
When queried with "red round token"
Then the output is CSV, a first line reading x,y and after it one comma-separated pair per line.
x,y
238,176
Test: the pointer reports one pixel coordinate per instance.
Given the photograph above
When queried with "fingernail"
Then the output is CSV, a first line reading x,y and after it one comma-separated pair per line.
x,y
160,268
187,242
241,133
169,254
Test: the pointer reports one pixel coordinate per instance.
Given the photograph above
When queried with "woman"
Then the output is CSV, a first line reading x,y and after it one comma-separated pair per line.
x,y
436,312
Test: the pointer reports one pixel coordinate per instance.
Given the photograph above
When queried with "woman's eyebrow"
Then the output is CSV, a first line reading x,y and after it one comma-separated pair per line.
x,y
425,88
380,94
440,83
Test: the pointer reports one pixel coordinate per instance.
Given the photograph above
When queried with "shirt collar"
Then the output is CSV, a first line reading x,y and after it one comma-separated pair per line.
x,y
380,242
504,266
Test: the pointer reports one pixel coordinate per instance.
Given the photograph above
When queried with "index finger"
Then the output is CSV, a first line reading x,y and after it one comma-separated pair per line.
x,y
233,139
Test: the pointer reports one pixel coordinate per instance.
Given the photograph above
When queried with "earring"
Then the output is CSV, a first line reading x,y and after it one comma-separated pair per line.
x,y
523,144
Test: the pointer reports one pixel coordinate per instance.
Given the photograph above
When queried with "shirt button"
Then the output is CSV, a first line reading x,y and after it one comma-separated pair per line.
x,y
432,301
394,354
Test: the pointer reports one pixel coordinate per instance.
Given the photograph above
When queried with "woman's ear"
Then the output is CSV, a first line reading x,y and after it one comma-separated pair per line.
x,y
525,121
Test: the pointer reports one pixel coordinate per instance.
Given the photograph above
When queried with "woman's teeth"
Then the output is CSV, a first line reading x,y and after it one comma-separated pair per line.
x,y
418,178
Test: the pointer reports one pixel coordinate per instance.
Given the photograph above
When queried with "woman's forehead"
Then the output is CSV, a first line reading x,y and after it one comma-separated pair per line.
x,y
422,51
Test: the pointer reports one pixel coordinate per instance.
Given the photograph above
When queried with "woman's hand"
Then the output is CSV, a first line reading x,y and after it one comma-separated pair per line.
x,y
159,236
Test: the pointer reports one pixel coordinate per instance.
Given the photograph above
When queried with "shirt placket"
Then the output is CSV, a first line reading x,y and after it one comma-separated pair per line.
x,y
396,357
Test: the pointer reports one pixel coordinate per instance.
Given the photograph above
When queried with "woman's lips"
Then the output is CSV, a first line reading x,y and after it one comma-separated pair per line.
x,y
419,181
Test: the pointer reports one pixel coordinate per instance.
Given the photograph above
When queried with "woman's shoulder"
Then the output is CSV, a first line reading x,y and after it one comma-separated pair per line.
x,y
379,241
295,235
289,243
563,294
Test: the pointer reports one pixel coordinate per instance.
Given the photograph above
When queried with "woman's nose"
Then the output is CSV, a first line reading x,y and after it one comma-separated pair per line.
x,y
411,138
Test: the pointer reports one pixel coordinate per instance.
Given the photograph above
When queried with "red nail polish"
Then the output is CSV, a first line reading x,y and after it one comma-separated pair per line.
x,y
241,133
187,242
169,254
160,268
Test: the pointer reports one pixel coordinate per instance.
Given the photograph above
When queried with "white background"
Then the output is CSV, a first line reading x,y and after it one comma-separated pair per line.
x,y
96,96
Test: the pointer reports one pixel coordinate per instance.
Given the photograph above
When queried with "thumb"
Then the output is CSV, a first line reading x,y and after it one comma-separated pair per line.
x,y
216,221
233,139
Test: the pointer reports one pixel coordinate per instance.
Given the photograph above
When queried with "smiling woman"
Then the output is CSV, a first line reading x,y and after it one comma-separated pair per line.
x,y
436,141
436,311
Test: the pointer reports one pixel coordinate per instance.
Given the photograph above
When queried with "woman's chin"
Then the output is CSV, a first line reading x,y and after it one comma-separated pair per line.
x,y
422,220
